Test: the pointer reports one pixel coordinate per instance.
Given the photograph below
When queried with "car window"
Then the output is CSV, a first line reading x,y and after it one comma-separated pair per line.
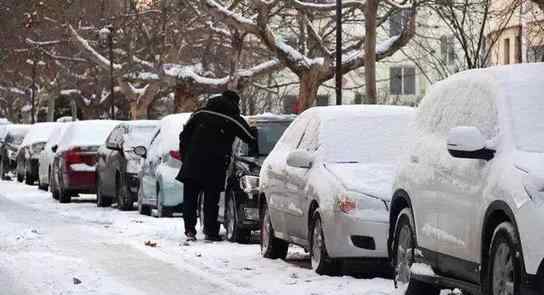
x,y
154,151
293,135
309,140
116,136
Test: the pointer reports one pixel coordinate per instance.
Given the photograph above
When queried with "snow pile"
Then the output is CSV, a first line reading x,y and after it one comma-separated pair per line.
x,y
441,235
422,269
86,133
39,132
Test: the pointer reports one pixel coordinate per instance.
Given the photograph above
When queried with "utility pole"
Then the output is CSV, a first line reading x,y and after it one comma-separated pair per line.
x,y
339,74
106,36
33,87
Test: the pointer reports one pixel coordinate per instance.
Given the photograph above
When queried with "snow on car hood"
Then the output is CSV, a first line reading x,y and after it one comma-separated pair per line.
x,y
374,179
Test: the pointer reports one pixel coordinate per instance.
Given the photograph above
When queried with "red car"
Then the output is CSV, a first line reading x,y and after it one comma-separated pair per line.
x,y
74,166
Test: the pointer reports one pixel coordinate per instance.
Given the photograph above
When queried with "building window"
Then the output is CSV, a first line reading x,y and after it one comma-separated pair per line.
x,y
506,51
322,100
447,50
398,21
535,54
517,49
402,80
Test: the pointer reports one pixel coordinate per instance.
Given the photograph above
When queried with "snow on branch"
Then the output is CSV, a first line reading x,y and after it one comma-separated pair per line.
x,y
400,5
231,18
96,57
302,5
12,90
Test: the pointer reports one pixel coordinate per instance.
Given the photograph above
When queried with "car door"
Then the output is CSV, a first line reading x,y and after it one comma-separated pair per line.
x,y
460,194
297,182
278,196
107,176
149,178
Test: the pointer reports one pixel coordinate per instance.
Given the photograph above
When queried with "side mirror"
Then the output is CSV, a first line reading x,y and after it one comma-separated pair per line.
x,y
140,151
54,148
468,143
300,159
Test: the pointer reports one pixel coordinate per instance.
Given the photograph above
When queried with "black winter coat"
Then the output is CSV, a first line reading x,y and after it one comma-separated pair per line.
x,y
206,142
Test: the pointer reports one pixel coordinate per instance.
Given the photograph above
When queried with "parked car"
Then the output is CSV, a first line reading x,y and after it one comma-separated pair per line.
x,y
30,149
12,138
467,210
158,187
118,167
47,155
238,210
74,164
326,185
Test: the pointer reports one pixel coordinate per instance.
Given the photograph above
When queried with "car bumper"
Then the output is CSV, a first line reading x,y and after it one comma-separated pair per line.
x,y
248,212
171,189
351,236
81,182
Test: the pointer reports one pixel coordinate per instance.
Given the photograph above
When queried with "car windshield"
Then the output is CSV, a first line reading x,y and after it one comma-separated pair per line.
x,y
365,139
527,121
269,134
140,135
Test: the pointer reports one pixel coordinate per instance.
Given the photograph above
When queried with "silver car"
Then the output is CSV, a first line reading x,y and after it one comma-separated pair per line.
x,y
326,185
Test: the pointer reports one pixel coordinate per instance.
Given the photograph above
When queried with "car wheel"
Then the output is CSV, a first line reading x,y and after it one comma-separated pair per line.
x,y
504,269
101,199
234,232
41,186
65,196
53,187
28,174
124,202
403,257
271,247
20,177
321,262
161,210
142,208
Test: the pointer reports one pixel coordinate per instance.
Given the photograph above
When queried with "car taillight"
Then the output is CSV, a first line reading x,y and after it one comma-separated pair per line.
x,y
176,155
346,205
72,156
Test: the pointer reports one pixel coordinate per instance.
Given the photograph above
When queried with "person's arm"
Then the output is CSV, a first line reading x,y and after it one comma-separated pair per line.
x,y
244,132
186,134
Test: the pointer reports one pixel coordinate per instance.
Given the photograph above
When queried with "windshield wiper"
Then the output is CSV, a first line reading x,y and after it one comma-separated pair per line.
x,y
347,162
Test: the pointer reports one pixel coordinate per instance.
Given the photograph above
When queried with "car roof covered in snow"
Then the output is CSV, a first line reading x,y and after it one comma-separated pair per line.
x,y
15,129
270,117
39,132
86,133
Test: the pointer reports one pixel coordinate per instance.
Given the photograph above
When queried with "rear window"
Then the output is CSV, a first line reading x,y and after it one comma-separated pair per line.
x,y
86,133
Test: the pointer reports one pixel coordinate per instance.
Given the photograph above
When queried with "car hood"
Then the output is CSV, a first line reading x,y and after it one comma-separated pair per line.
x,y
371,179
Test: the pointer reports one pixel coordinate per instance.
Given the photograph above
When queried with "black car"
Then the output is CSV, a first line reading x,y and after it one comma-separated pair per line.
x,y
118,167
238,210
9,145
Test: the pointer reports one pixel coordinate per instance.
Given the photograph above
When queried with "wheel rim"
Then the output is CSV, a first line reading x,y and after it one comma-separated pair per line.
x,y
230,218
317,244
404,255
265,232
503,271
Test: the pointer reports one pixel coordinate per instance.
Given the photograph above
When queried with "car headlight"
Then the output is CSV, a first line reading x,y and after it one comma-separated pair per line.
x,y
352,202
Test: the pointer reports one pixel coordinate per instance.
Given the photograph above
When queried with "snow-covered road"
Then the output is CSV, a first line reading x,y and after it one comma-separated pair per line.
x,y
47,248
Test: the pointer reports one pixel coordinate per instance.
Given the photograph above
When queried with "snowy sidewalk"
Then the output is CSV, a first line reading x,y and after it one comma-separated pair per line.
x,y
44,245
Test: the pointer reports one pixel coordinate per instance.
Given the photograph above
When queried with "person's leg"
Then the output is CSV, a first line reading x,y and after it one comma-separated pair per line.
x,y
211,210
190,200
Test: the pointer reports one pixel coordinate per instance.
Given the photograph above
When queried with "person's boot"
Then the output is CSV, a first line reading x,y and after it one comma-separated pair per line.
x,y
191,237
213,238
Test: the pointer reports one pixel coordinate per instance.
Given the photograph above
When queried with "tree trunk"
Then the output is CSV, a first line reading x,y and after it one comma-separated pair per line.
x,y
307,94
370,50
138,111
185,100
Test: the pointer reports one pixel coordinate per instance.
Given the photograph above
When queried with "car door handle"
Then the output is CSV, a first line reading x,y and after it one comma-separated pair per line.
x,y
414,159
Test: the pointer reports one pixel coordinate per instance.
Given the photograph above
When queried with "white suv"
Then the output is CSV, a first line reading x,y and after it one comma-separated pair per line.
x,y
468,204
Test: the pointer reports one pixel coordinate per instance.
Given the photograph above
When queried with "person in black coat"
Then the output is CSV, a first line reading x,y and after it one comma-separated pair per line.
x,y
206,146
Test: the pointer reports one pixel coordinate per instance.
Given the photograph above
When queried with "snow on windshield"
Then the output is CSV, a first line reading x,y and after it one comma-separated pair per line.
x,y
366,134
16,133
86,133
57,134
140,135
171,127
39,132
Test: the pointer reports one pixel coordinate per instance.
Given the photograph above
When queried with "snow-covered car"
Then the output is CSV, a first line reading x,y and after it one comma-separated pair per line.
x,y
238,209
468,204
158,187
30,149
118,167
74,164
47,155
12,137
326,185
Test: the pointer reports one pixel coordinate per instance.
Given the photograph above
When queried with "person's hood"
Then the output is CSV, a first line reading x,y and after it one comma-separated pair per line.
x,y
370,179
222,105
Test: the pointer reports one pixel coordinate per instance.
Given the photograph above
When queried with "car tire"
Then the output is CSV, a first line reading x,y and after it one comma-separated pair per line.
x,y
504,263
53,187
41,186
20,178
65,196
404,257
28,174
101,199
142,208
234,232
161,210
124,203
271,247
320,260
